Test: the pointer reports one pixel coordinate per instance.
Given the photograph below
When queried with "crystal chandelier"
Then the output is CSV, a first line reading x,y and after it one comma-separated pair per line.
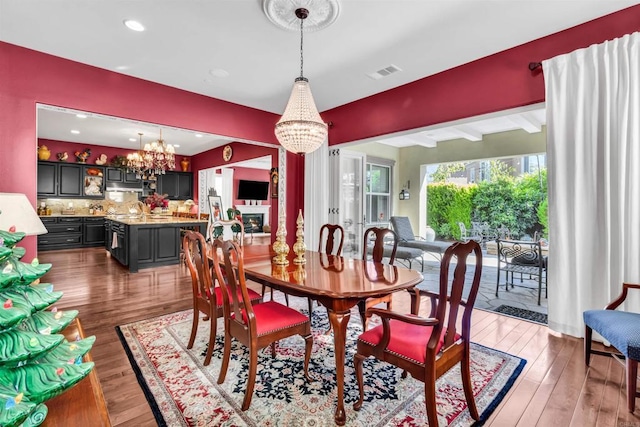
x,y
158,157
301,129
135,161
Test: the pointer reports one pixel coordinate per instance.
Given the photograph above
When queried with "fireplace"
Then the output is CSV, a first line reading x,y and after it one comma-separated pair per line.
x,y
253,222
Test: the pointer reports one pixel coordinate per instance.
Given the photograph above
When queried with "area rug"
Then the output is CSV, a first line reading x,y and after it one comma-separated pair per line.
x,y
522,313
183,392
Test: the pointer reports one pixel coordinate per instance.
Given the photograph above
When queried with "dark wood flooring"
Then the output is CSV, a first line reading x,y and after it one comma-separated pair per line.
x,y
555,389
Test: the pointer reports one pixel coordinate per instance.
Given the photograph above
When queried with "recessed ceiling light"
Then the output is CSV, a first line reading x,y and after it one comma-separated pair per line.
x,y
133,25
81,116
176,145
219,72
132,139
198,135
75,132
122,67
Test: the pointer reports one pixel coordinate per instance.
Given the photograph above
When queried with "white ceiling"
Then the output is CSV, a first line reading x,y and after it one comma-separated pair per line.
x,y
185,40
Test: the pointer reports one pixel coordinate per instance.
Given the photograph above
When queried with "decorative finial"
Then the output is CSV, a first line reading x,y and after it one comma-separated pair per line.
x,y
299,247
280,246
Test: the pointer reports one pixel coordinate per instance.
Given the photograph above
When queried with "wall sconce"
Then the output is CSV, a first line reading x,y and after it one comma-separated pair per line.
x,y
404,194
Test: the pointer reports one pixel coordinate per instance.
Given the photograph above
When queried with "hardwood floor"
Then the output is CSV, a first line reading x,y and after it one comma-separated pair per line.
x,y
555,388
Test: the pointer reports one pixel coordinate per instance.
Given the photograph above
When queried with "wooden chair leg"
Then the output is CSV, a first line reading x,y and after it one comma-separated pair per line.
x,y
225,357
357,363
308,345
415,300
310,303
467,384
273,350
212,340
362,306
194,327
253,367
632,379
430,399
587,345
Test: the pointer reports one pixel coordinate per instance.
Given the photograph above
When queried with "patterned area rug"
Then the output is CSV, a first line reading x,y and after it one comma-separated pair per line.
x,y
183,392
522,313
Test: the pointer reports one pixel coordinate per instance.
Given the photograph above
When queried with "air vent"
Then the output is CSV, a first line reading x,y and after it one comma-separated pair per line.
x,y
384,72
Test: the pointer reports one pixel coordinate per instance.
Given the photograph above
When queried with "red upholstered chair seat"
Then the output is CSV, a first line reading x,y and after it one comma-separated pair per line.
x,y
272,316
408,341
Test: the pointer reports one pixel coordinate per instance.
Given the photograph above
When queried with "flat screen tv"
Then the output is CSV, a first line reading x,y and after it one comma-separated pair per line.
x,y
253,190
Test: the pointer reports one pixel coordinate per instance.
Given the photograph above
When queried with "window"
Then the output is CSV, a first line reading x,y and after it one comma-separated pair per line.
x,y
378,192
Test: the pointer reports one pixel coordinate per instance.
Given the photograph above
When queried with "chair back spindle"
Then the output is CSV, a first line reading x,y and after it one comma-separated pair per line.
x,y
382,238
333,241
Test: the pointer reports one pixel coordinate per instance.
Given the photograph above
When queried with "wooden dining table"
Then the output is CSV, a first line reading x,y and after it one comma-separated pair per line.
x,y
337,283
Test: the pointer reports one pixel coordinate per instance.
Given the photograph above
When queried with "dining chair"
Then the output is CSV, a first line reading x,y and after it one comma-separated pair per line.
x,y
207,297
380,243
256,326
330,242
621,329
331,239
428,347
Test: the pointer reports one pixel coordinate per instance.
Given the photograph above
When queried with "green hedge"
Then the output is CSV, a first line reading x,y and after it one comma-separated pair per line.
x,y
508,202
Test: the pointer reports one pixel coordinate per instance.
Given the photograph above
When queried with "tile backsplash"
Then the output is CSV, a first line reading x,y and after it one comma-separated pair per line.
x,y
120,201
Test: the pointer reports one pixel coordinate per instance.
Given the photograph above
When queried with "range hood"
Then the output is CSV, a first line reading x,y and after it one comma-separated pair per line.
x,y
124,186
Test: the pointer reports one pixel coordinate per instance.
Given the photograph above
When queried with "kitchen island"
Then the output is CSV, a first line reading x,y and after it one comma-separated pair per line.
x,y
147,241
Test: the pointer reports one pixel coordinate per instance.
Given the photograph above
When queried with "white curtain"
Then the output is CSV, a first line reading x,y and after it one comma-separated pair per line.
x,y
593,147
316,194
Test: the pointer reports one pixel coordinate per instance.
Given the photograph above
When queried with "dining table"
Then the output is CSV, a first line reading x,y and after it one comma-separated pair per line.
x,y
337,283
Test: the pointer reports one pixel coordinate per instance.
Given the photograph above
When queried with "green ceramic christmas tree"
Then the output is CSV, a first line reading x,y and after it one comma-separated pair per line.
x,y
36,362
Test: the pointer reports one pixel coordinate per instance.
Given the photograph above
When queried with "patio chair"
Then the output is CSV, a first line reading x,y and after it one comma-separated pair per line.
x,y
622,330
407,239
524,257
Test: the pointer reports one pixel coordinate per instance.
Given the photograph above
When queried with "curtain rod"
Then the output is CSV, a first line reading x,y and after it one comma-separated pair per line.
x,y
534,65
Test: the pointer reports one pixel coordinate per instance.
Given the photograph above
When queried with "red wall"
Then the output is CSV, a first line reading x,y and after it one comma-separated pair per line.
x,y
96,150
494,83
250,174
28,77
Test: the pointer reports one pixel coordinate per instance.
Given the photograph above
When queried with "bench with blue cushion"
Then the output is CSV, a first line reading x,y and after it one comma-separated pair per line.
x,y
622,330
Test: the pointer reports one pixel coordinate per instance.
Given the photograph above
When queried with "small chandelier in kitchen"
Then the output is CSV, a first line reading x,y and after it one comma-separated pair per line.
x,y
301,129
135,161
158,157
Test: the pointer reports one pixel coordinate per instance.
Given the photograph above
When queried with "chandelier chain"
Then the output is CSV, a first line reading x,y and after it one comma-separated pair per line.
x,y
301,40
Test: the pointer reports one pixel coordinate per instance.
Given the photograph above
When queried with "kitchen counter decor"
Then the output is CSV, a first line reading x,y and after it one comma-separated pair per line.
x,y
36,362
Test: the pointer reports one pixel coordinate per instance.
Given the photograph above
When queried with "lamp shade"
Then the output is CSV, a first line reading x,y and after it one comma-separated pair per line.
x,y
16,211
301,129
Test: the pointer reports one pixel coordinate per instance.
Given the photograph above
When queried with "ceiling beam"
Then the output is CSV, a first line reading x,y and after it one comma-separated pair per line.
x,y
423,140
527,122
467,132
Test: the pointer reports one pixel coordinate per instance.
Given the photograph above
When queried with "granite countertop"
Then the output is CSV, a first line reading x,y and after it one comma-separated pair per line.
x,y
58,215
153,219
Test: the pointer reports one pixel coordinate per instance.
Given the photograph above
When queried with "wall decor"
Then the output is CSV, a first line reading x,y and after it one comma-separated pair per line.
x,y
274,183
215,208
227,152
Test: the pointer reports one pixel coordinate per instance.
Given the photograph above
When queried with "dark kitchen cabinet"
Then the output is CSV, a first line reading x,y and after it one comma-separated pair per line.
x,y
115,175
93,233
47,179
66,232
176,185
70,180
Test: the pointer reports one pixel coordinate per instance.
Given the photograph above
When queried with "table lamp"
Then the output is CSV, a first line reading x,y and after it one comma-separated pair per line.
x,y
16,211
